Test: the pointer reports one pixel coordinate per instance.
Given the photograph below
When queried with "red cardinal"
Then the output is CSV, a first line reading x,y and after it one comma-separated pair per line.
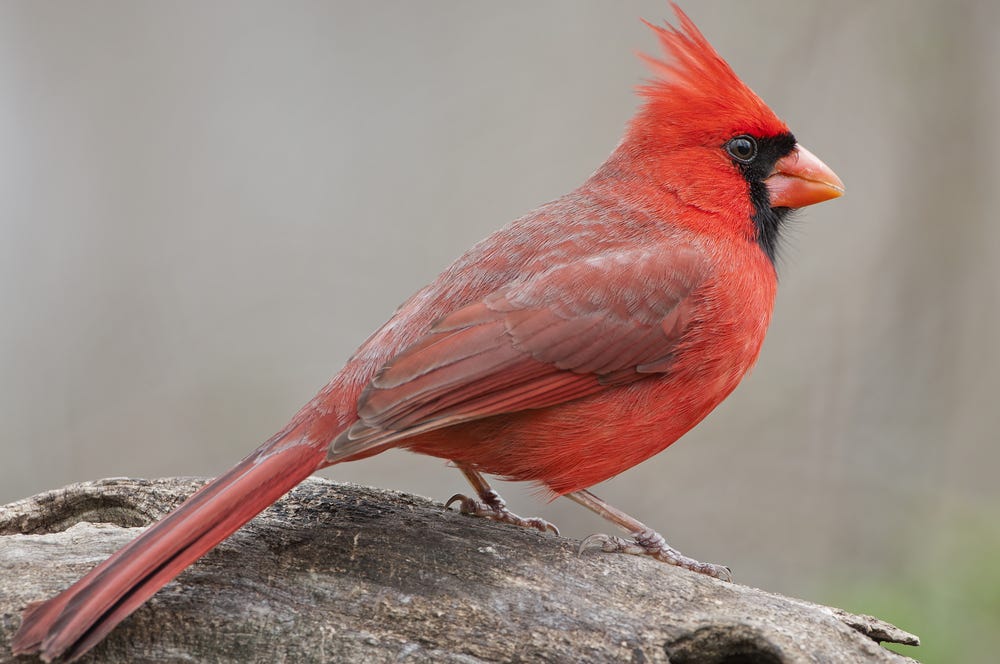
x,y
565,348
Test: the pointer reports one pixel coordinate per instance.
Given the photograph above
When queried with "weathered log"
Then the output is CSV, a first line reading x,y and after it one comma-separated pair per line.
x,y
344,573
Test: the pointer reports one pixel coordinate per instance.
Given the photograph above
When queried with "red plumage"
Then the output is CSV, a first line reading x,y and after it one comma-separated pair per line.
x,y
563,349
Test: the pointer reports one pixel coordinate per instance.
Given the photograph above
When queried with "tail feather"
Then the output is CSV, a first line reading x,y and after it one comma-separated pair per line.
x,y
77,619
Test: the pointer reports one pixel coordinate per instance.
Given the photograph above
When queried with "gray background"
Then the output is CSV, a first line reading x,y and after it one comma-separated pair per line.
x,y
205,207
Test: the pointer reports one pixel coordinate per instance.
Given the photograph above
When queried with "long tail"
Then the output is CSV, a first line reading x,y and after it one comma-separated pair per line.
x,y
74,621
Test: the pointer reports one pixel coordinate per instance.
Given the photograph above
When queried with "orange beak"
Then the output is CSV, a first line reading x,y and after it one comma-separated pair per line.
x,y
801,179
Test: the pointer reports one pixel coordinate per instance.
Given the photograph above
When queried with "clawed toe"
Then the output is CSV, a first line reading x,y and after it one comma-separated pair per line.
x,y
606,543
496,510
650,543
541,524
466,505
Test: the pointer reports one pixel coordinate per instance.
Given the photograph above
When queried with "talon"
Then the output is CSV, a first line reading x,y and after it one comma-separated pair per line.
x,y
494,509
589,541
723,573
644,541
541,525
491,506
650,543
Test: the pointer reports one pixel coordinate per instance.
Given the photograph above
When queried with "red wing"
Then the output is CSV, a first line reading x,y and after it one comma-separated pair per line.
x,y
567,333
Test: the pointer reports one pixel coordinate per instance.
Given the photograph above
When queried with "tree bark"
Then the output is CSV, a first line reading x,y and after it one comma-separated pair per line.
x,y
344,573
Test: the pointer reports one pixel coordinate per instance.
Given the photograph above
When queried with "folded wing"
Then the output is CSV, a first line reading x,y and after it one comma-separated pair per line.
x,y
570,332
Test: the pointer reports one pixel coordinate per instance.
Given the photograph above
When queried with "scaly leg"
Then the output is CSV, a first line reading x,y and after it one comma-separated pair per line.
x,y
491,506
645,541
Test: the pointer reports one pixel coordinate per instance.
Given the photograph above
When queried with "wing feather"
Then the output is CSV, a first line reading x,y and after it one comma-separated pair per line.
x,y
568,333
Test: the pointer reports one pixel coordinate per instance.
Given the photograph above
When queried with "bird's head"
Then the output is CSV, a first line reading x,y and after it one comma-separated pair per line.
x,y
707,139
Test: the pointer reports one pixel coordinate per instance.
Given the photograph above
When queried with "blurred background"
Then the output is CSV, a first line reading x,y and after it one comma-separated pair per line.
x,y
205,207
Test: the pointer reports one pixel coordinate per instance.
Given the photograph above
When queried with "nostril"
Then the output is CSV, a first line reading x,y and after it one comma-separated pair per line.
x,y
724,644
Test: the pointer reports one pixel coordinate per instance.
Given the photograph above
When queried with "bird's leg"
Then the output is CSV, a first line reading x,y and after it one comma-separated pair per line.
x,y
644,542
490,505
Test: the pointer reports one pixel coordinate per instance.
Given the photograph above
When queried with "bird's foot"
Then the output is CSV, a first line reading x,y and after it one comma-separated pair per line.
x,y
651,543
494,508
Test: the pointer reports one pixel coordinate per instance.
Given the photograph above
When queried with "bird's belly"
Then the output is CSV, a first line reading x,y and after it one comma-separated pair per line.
x,y
581,443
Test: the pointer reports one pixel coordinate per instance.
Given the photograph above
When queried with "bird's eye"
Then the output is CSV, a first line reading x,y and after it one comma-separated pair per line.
x,y
742,148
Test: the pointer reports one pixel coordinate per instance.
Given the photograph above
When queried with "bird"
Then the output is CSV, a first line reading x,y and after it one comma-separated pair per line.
x,y
565,348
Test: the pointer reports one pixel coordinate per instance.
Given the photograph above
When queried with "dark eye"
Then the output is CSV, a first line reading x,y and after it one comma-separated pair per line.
x,y
742,148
